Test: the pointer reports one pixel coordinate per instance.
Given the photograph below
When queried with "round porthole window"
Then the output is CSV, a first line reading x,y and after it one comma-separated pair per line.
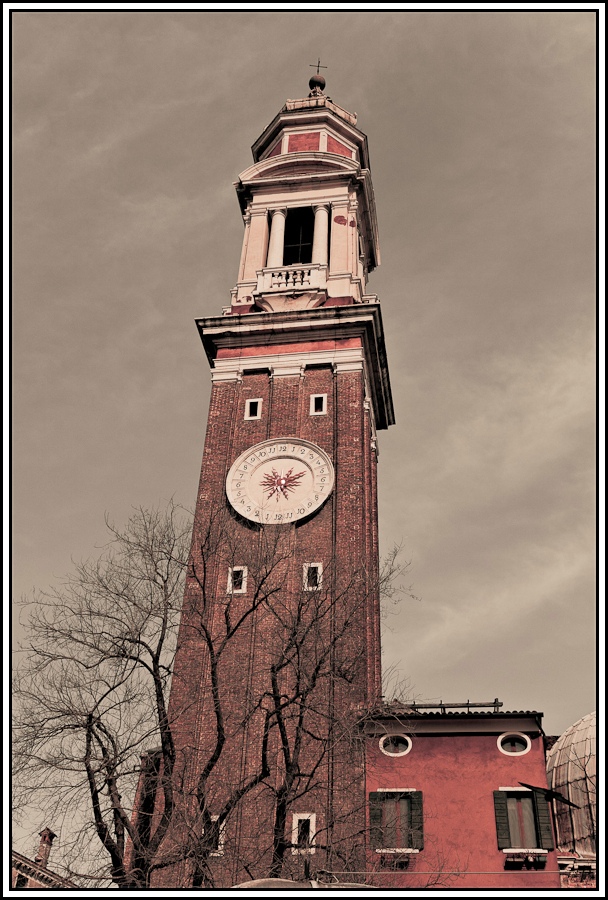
x,y
514,744
395,744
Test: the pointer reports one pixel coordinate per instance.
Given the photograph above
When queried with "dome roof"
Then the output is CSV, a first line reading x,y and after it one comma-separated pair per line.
x,y
571,772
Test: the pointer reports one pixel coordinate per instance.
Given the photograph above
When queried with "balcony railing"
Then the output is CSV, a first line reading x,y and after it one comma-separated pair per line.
x,y
292,278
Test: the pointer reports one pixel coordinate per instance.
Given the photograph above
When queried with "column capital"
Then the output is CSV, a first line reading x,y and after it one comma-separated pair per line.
x,y
280,210
324,206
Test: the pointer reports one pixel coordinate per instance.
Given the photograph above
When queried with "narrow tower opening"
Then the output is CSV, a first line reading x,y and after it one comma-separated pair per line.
x,y
303,833
299,231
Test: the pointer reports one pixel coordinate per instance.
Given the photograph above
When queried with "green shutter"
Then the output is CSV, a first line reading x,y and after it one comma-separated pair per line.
x,y
502,820
416,821
375,820
543,820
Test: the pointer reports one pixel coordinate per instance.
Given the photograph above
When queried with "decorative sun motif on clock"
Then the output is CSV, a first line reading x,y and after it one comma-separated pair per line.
x,y
283,484
280,481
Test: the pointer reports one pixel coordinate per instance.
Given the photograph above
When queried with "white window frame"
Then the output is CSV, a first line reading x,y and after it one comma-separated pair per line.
x,y
243,588
518,734
248,403
313,565
299,817
313,411
401,752
220,838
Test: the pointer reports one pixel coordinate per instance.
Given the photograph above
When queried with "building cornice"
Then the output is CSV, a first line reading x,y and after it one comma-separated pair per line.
x,y
315,114
281,172
339,166
44,876
337,323
453,722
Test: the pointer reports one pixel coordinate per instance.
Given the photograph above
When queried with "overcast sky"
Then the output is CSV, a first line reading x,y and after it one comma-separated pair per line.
x,y
129,131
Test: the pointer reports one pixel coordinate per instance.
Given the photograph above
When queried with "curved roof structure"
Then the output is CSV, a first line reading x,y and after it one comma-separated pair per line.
x,y
571,771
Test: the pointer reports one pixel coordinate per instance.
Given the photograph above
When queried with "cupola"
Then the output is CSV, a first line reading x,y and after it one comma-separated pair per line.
x,y
311,234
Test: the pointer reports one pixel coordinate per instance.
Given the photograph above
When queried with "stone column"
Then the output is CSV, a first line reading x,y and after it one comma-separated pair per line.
x,y
319,242
277,238
338,257
255,242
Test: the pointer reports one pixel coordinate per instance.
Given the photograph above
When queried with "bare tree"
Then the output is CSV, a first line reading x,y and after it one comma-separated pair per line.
x,y
301,709
91,686
91,699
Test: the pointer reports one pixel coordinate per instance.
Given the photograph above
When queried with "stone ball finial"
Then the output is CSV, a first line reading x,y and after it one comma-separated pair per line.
x,y
316,84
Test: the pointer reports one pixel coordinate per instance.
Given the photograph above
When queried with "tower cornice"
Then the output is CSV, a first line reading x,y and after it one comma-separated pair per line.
x,y
251,339
313,112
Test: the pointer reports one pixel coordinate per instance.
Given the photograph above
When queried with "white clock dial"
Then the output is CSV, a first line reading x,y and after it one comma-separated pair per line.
x,y
280,481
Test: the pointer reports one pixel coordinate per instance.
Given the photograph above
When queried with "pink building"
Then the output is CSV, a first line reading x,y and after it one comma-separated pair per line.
x,y
452,799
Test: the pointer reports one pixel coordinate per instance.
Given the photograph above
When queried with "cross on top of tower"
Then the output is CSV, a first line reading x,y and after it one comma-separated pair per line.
x,y
317,82
317,64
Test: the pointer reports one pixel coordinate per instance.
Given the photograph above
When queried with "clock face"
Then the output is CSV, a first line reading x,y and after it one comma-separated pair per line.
x,y
280,481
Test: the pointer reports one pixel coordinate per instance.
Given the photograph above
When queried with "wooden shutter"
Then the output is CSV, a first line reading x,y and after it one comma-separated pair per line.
x,y
543,820
375,820
502,820
417,821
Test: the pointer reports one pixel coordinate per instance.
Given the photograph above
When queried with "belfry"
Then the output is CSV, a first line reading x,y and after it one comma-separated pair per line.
x,y
279,643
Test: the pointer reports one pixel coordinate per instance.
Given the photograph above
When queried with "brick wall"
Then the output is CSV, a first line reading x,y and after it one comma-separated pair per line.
x,y
343,537
308,141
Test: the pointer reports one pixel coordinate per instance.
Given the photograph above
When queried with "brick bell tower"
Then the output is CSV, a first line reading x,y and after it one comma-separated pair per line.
x,y
279,642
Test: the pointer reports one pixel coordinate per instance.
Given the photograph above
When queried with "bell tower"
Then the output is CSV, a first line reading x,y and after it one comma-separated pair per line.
x,y
311,234
279,643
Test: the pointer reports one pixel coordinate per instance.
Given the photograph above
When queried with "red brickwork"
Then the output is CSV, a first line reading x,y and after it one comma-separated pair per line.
x,y
342,536
308,141
334,146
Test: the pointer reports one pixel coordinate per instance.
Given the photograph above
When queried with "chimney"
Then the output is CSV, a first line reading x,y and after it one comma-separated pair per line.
x,y
46,842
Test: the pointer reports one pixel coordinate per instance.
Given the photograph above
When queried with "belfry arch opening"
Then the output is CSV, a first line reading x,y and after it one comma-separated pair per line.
x,y
299,234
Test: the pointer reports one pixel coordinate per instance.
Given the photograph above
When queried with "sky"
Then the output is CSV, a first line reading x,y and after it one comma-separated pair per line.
x,y
129,129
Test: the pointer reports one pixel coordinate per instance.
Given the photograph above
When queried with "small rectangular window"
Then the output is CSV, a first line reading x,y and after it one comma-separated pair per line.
x,y
237,580
253,408
313,576
303,833
217,848
318,404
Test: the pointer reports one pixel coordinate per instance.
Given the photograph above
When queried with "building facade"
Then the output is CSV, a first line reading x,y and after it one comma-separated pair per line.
x,y
279,644
458,799
34,873
287,763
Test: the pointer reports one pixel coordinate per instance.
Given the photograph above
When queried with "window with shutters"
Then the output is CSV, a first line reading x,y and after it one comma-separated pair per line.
x,y
395,818
523,820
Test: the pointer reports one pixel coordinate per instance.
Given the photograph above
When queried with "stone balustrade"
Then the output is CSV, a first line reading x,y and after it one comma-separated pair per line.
x,y
292,278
